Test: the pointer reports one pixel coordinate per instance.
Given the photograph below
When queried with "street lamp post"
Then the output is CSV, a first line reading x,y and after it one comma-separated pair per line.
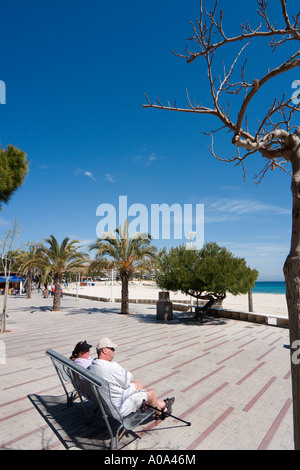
x,y
112,285
77,281
191,234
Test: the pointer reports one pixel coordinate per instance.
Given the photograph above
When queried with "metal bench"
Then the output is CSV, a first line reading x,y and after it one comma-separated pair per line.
x,y
87,386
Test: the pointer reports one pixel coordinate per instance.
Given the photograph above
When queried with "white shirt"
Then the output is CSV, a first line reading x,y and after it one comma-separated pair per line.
x,y
121,387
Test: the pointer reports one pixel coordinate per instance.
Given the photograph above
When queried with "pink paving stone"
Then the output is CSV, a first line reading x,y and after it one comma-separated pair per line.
x,y
203,400
275,425
265,354
250,373
190,360
210,429
23,436
229,357
202,379
259,394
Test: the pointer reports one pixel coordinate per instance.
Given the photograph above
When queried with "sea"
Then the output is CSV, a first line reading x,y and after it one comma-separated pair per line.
x,y
269,287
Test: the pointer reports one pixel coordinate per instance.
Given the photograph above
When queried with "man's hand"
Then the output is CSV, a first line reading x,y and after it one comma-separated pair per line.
x,y
138,385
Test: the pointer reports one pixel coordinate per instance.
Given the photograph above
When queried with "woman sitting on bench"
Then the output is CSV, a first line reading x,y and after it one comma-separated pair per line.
x,y
81,354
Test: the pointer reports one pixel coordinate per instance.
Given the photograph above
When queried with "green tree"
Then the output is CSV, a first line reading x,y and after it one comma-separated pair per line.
x,y
13,169
206,274
126,255
57,259
97,265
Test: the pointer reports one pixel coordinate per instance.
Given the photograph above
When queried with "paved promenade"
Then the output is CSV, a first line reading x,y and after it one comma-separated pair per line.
x,y
231,378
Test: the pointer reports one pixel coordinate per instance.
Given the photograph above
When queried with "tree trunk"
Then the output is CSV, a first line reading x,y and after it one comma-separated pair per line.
x,y
200,311
292,280
125,293
3,323
56,299
29,280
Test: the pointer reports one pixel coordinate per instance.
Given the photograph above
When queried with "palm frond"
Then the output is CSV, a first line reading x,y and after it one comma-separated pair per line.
x,y
124,251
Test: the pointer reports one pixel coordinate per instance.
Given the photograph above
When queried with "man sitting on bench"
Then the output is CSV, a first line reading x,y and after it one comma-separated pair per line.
x,y
126,394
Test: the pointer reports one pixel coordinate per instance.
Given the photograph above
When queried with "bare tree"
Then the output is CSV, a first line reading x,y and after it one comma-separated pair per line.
x,y
275,136
7,257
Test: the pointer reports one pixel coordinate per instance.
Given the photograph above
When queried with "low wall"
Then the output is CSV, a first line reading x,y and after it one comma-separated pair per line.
x,y
254,317
105,299
184,306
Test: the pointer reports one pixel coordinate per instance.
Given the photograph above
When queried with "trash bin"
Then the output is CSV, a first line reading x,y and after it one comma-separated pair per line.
x,y
164,308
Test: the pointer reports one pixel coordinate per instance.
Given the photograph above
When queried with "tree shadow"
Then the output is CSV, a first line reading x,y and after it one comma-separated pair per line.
x,y
90,311
31,308
206,320
179,317
145,313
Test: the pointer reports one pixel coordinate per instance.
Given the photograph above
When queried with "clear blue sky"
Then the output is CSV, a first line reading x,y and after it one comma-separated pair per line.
x,y
75,75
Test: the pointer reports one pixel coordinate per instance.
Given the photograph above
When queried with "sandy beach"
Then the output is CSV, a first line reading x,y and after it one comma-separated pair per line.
x,y
274,304
262,303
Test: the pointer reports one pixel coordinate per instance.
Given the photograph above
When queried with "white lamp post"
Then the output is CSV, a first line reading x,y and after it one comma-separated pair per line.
x,y
112,285
191,234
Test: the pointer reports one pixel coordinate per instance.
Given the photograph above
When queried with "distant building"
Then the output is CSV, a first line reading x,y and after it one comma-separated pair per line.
x,y
15,281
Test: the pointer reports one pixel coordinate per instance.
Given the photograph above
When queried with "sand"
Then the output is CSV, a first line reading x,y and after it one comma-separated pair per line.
x,y
274,304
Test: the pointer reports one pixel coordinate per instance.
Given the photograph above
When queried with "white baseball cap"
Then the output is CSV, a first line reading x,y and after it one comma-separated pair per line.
x,y
105,343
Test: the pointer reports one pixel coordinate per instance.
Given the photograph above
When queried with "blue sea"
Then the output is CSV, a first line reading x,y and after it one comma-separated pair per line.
x,y
269,287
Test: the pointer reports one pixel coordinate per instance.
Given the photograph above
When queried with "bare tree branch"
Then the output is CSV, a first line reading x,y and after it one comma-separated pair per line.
x,y
203,37
291,63
271,139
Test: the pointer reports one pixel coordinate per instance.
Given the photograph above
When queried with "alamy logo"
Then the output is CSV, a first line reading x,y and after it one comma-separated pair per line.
x,y
2,352
296,94
164,220
295,354
2,92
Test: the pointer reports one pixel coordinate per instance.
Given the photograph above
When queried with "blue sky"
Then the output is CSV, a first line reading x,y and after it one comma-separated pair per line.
x,y
75,75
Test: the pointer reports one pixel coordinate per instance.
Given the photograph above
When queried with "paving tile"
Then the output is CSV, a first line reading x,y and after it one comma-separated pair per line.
x,y
231,378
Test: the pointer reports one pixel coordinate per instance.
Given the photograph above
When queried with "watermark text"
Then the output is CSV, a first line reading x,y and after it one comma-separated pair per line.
x,y
296,94
181,222
2,352
2,92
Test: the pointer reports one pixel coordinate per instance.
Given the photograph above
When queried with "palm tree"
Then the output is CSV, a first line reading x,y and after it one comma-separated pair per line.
x,y
126,255
27,265
57,259
97,265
